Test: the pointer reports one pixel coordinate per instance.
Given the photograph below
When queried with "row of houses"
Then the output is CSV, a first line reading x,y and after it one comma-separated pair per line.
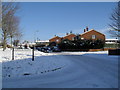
x,y
88,35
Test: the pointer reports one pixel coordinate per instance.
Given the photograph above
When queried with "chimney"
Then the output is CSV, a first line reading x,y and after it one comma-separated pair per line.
x,y
71,32
87,28
84,30
66,33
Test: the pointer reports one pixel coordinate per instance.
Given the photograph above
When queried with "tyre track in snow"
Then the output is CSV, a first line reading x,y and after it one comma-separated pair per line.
x,y
105,70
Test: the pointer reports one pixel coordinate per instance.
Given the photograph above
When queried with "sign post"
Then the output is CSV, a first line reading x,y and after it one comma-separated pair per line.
x,y
13,53
33,53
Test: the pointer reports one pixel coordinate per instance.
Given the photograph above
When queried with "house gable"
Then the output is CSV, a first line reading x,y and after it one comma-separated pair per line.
x,y
70,37
92,34
55,39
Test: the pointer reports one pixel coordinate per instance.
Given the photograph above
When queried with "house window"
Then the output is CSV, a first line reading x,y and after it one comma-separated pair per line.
x,y
72,38
93,36
82,38
57,40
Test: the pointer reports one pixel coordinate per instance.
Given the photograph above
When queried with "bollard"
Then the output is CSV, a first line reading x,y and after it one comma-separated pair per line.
x,y
33,54
13,53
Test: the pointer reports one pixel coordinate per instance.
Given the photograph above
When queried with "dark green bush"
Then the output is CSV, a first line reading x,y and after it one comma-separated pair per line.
x,y
52,44
80,44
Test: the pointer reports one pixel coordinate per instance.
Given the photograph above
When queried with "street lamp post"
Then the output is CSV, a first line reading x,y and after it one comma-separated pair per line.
x,y
35,36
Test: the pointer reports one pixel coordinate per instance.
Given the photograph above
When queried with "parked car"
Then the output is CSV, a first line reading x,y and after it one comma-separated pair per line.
x,y
38,48
44,49
47,49
56,49
20,47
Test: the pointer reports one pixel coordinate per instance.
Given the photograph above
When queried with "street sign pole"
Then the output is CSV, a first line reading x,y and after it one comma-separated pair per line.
x,y
13,53
33,54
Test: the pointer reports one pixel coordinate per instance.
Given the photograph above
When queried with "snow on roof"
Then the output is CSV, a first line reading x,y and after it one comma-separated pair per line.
x,y
55,37
31,43
112,39
69,35
110,42
42,41
90,31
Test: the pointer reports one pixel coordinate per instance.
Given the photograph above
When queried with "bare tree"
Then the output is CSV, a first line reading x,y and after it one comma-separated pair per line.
x,y
9,21
18,35
13,27
115,25
4,30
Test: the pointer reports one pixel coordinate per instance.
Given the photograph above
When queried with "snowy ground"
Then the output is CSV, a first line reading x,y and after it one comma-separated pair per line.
x,y
59,70
23,64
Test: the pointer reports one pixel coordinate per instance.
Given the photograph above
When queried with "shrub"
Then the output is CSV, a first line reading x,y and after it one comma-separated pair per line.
x,y
52,44
80,44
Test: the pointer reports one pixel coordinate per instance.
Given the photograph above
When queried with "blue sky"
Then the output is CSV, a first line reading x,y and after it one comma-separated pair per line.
x,y
44,20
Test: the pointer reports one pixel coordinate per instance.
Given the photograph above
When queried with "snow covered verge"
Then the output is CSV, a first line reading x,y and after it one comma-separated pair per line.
x,y
23,65
82,53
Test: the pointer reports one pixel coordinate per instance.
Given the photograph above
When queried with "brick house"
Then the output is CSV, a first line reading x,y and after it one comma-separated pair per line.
x,y
70,36
88,35
93,35
55,39
58,39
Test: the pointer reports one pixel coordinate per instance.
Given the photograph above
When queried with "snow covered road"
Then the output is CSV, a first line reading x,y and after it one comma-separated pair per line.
x,y
85,71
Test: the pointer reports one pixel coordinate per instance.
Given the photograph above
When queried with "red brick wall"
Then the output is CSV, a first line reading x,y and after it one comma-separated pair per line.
x,y
69,37
90,33
55,39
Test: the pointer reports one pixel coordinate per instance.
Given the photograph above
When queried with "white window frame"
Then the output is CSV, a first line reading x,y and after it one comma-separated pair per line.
x,y
57,40
93,36
82,38
72,38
